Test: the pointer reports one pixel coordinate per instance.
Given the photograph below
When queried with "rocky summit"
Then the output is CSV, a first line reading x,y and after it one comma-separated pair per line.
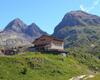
x,y
17,33
77,28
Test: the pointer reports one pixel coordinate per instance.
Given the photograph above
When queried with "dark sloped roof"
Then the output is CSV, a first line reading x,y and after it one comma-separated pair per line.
x,y
52,38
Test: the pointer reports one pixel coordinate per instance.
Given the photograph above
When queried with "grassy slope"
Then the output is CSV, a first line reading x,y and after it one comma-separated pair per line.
x,y
89,57
83,56
36,66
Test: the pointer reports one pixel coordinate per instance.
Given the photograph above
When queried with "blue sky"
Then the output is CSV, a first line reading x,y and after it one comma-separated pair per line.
x,y
45,13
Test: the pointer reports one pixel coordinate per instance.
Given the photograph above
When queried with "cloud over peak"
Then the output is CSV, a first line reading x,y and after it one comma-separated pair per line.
x,y
88,9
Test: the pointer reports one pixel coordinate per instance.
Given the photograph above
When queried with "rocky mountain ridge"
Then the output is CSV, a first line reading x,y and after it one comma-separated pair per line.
x,y
19,33
78,28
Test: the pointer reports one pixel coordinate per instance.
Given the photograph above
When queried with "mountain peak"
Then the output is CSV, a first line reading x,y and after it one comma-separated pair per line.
x,y
17,21
33,24
78,28
79,18
34,30
79,13
16,25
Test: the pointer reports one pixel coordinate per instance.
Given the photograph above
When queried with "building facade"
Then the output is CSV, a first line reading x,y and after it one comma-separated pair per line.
x,y
49,43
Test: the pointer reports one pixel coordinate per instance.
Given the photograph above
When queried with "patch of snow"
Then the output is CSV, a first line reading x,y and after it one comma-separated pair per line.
x,y
83,77
89,76
78,77
92,45
63,54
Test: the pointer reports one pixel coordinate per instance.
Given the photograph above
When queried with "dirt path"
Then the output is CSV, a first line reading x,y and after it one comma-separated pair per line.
x,y
82,77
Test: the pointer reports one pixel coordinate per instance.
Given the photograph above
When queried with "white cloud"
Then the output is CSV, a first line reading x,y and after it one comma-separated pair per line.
x,y
86,9
83,8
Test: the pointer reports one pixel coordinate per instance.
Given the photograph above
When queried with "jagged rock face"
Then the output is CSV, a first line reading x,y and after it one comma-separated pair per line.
x,y
16,26
34,31
78,18
19,27
11,39
78,27
17,33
